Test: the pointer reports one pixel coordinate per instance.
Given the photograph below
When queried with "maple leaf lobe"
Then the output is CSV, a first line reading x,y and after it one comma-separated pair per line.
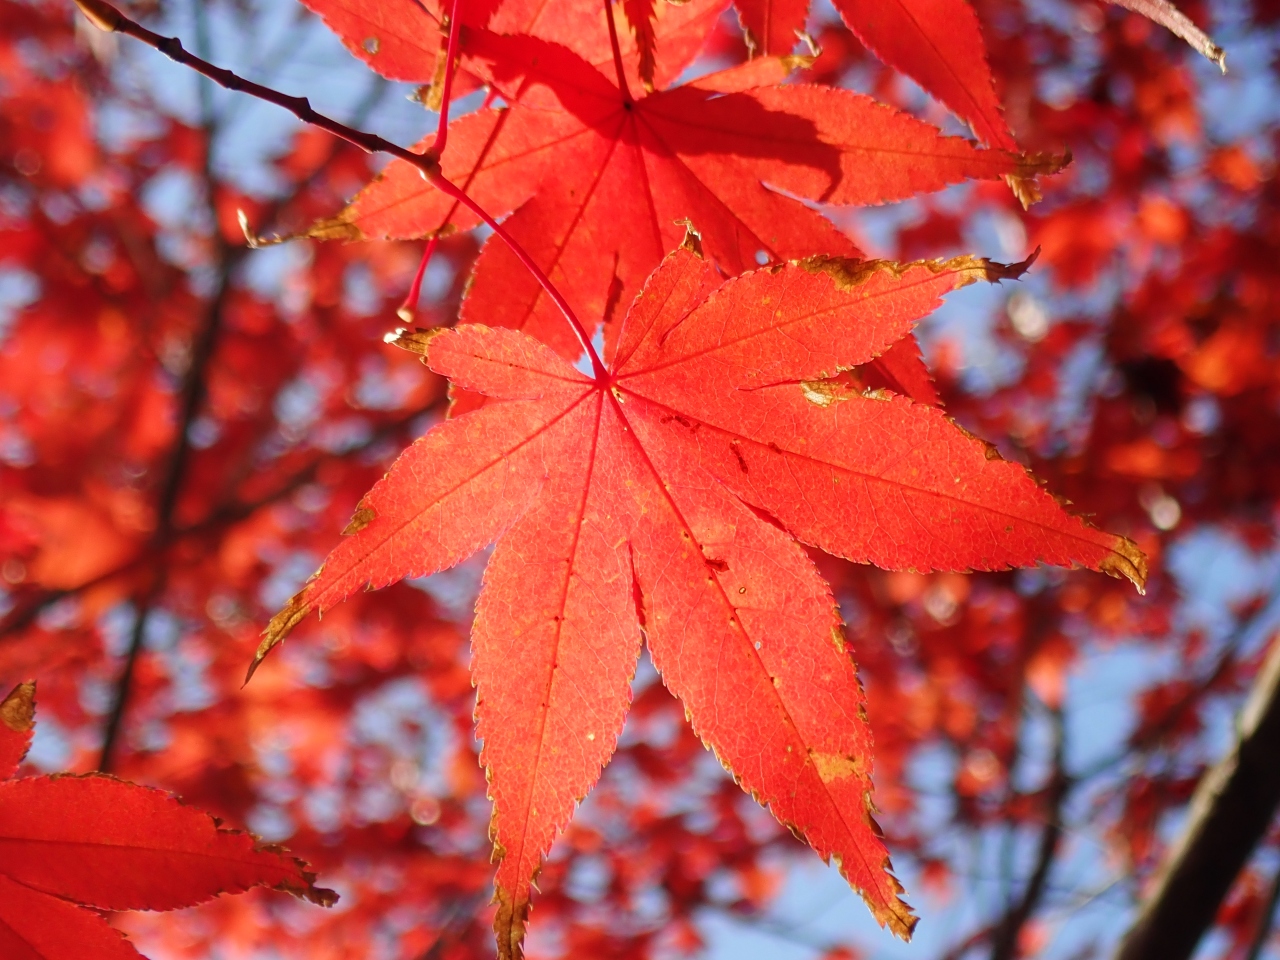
x,y
142,849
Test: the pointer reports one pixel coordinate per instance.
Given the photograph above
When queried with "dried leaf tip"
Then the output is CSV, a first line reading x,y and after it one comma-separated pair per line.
x,y
898,915
293,613
416,340
1024,184
980,268
18,709
803,61
509,924
1170,17
692,238
849,273
101,14
1127,561
250,237
307,890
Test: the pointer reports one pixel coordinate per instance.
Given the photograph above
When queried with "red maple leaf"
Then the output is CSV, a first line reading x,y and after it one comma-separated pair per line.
x,y
665,499
601,176
71,846
938,43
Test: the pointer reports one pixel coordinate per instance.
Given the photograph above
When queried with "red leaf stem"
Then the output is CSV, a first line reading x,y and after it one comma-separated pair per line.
x,y
450,67
617,52
407,309
599,371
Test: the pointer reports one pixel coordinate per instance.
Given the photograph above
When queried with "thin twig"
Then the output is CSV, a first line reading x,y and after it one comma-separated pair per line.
x,y
1004,944
409,308
192,395
194,388
108,18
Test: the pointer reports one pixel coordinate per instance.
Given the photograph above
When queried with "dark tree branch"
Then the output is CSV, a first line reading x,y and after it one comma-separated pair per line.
x,y
193,392
971,942
1263,933
194,388
1229,814
1004,940
106,17
225,514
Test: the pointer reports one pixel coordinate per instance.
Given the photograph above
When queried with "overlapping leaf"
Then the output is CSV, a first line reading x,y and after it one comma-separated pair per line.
x,y
667,503
938,43
600,179
69,842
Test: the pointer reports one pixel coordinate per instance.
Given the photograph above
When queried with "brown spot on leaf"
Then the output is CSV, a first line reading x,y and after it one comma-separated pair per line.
x,y
833,766
334,228
359,520
824,393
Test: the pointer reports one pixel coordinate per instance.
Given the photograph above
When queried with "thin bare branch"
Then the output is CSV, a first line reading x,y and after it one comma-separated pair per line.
x,y
1229,813
1004,943
107,17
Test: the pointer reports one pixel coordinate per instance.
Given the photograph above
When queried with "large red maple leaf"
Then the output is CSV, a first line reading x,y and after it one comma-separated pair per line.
x,y
665,500
74,845
598,174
